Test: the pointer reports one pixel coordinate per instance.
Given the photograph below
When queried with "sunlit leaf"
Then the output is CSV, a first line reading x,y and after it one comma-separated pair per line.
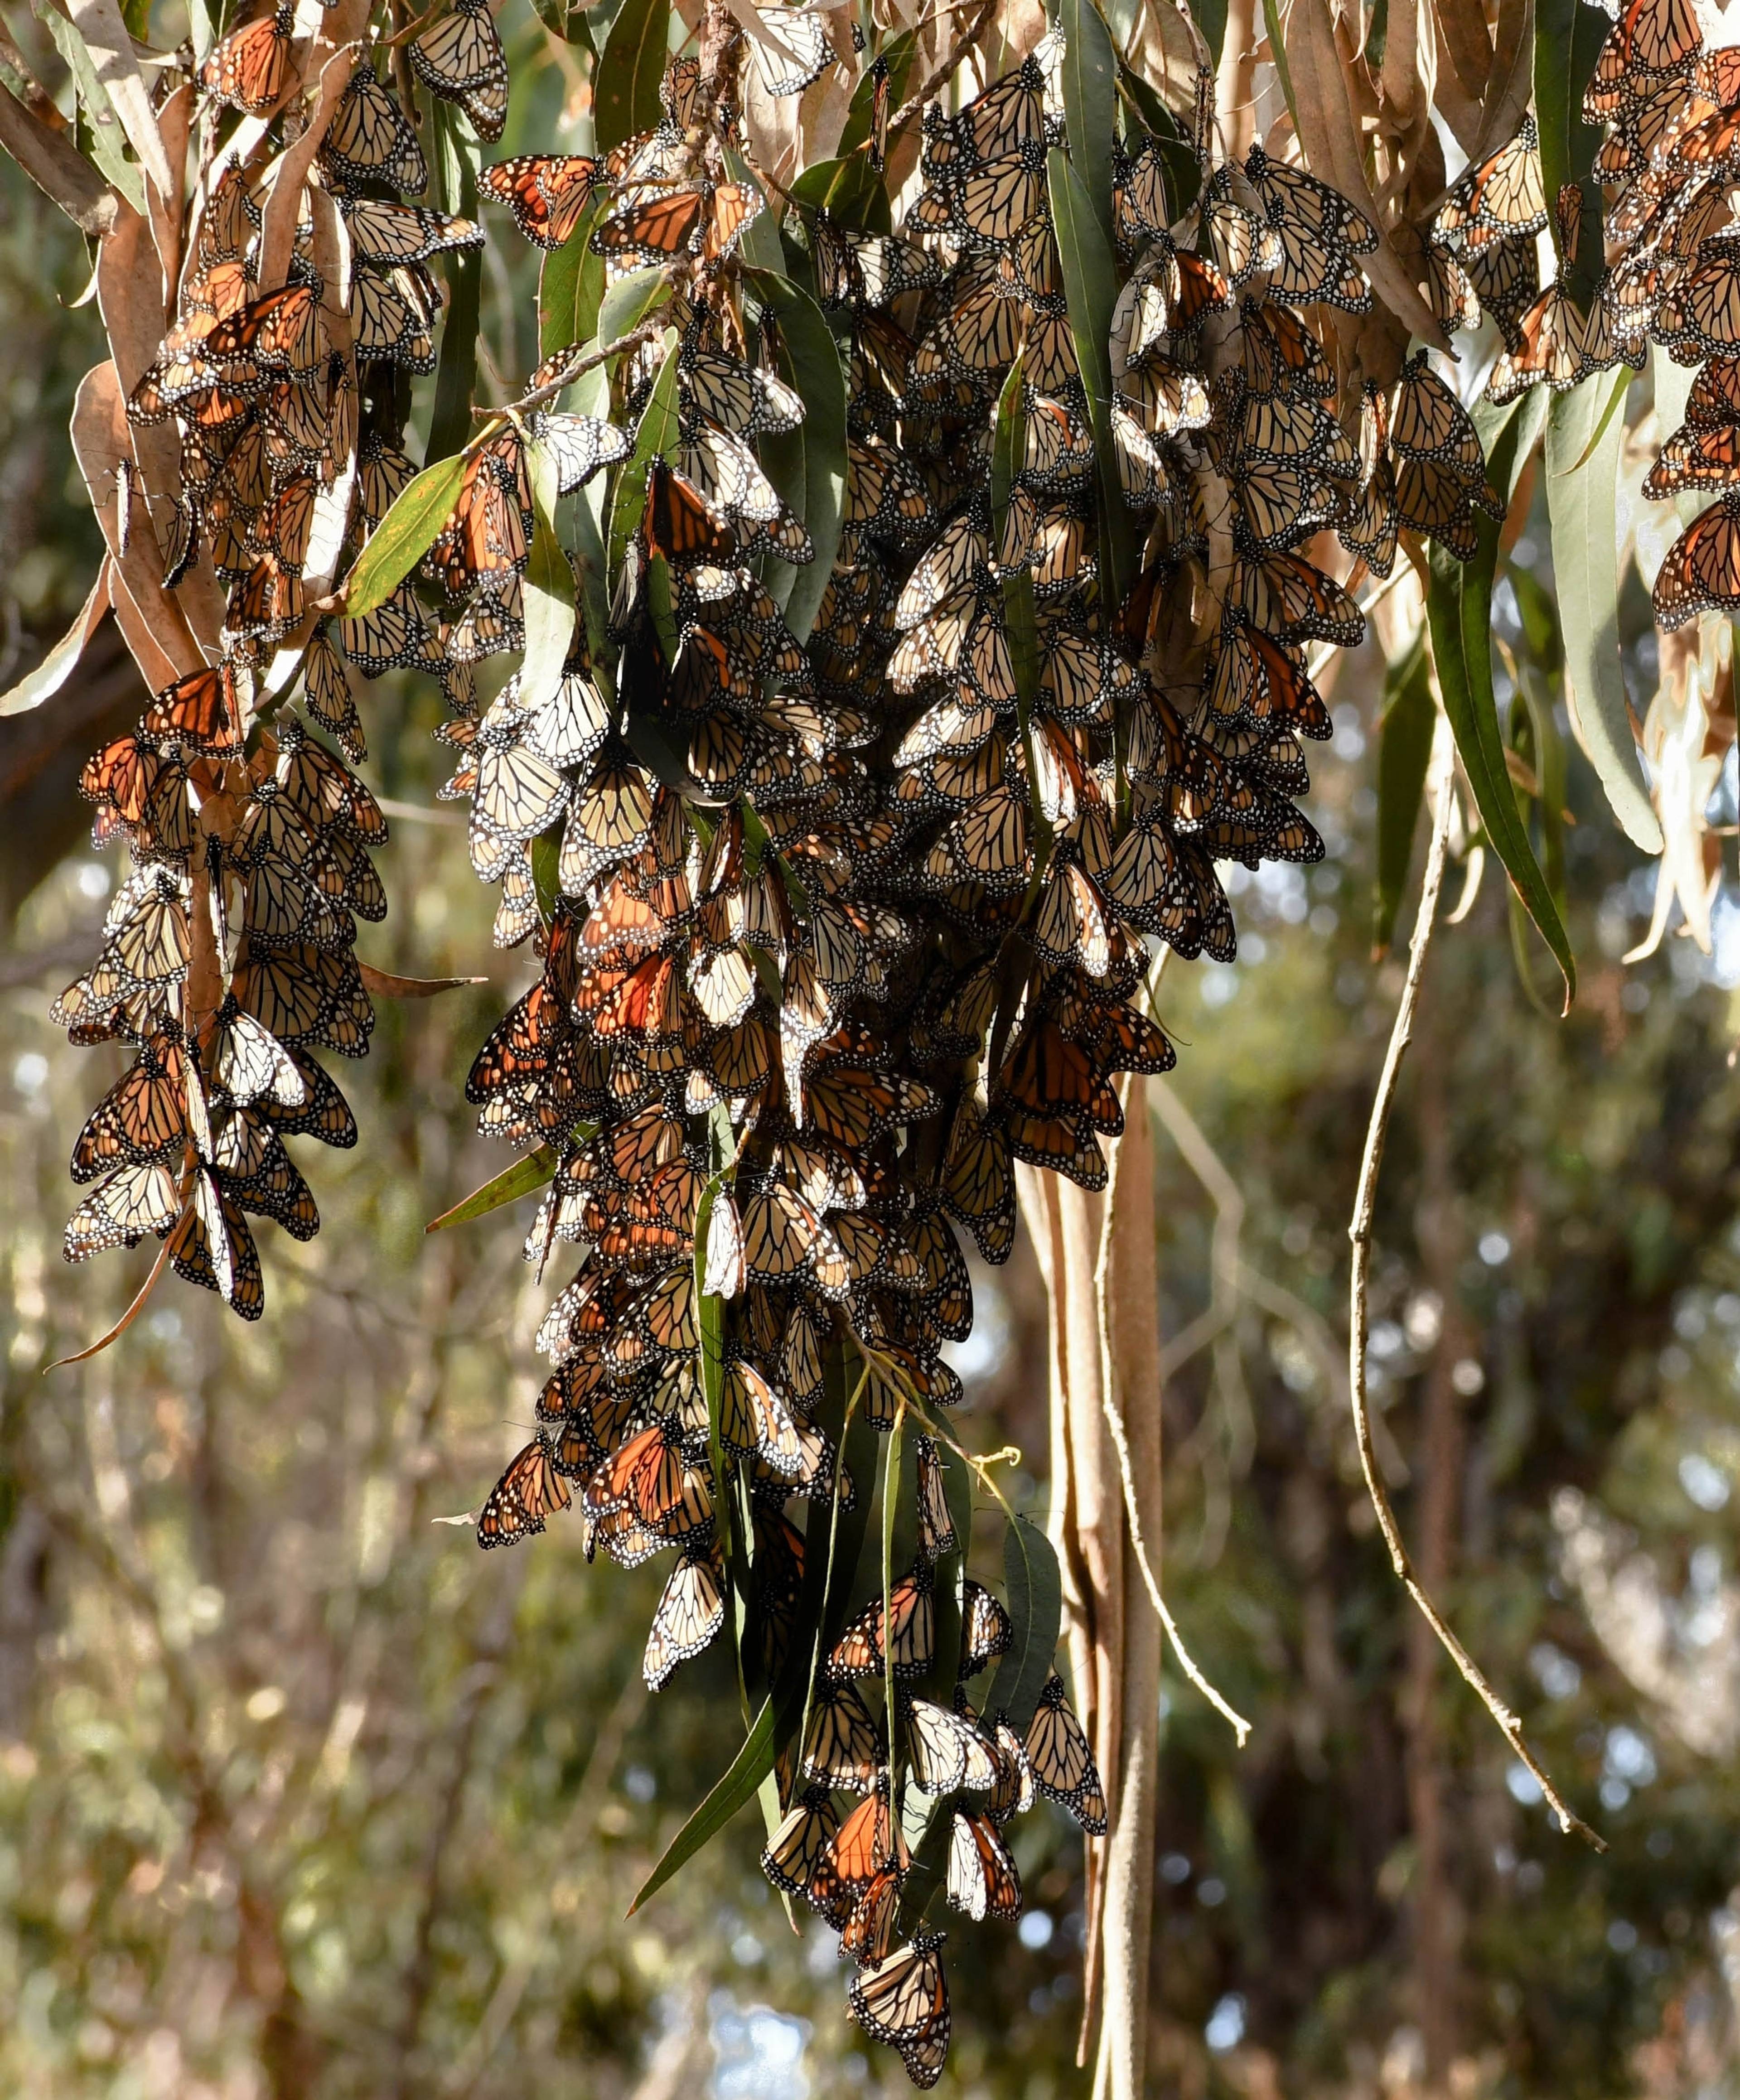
x,y
1585,435
1460,618
404,536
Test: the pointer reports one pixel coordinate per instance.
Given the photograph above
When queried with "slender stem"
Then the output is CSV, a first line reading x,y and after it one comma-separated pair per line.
x,y
940,77
569,373
1359,1233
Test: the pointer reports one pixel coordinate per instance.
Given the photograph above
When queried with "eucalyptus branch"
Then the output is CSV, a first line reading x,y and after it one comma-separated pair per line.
x,y
944,72
1359,1233
586,361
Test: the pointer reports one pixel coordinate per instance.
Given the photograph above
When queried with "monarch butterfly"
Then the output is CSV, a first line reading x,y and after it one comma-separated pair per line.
x,y
868,1841
879,96
211,1246
903,2001
982,1881
1701,571
548,193
1502,196
794,1856
936,1525
386,235
529,1492
910,1614
842,1745
1239,240
1696,458
1650,38
370,138
1430,498
250,68
461,58
868,1932
202,711
1062,1762
737,397
987,1631
1013,1793
249,1064
867,272
702,218
807,56
394,637
142,1116
322,1113
679,522
1703,309
688,1617
1140,212
1009,114
949,1755
650,1477
1553,344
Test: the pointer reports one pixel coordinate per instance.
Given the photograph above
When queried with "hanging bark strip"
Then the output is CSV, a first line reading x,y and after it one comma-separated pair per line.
x,y
1097,1253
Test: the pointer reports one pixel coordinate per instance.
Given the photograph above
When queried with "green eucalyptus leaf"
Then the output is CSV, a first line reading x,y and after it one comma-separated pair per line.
x,y
534,1171
1404,754
452,165
1090,284
1035,1587
1585,435
549,589
570,288
404,536
807,465
849,190
1090,102
738,1788
1568,37
655,435
1458,607
625,97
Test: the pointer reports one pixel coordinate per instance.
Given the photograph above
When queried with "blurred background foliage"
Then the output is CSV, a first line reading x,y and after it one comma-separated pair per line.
x,y
302,1796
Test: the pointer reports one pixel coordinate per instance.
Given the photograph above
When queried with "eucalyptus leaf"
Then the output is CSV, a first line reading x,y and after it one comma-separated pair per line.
x,y
1033,1585
1091,285
1584,439
1459,607
571,287
1090,102
1404,755
625,86
404,536
655,434
548,589
534,1171
808,464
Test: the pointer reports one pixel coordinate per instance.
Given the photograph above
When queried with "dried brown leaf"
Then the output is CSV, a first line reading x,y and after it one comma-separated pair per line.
x,y
58,170
1332,149
101,441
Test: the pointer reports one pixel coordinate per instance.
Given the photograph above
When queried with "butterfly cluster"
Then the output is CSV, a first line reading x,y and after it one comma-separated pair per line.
x,y
1672,110
840,917
306,306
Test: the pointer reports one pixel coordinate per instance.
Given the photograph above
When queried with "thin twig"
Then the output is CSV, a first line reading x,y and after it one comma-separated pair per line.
x,y
940,78
572,370
1359,1233
1114,1415
1240,1726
